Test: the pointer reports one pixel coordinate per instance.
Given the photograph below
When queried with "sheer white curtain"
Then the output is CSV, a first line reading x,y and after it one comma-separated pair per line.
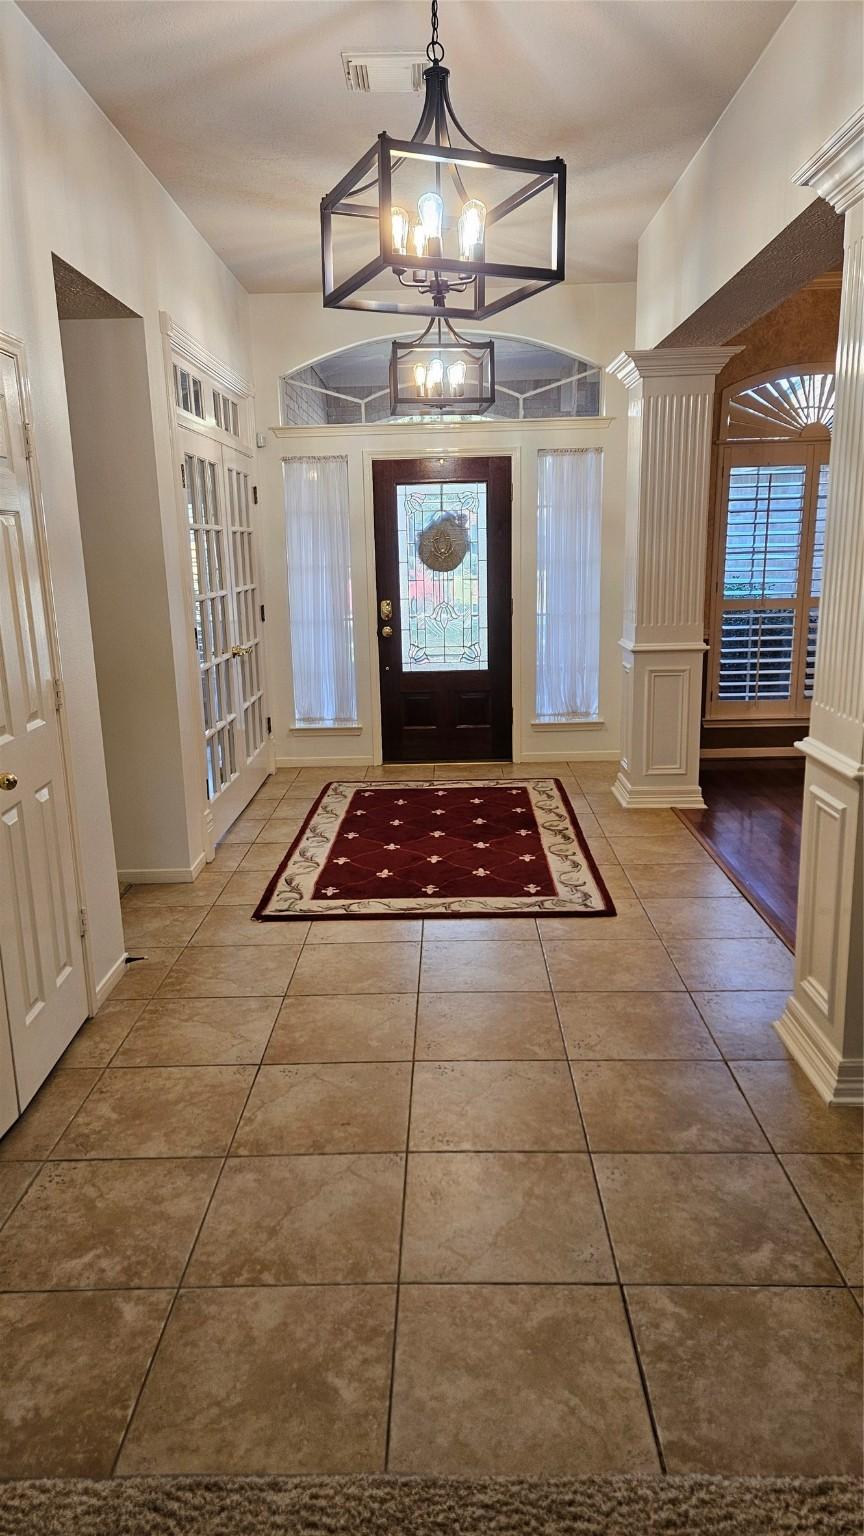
x,y
319,591
569,495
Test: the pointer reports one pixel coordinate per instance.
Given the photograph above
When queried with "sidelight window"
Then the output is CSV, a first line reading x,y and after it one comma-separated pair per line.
x,y
319,591
569,501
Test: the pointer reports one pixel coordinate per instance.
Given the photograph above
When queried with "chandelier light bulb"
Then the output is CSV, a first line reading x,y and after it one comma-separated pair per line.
x,y
401,225
418,246
430,207
419,371
456,377
435,376
472,230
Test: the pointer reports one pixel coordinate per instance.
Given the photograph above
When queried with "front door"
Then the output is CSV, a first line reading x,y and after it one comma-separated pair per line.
x,y
442,555
217,493
41,954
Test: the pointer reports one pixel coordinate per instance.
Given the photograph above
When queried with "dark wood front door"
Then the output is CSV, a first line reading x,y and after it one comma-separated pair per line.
x,y
442,557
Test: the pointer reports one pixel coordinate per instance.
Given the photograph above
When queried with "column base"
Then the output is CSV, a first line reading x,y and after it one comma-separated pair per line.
x,y
837,1079
656,797
661,723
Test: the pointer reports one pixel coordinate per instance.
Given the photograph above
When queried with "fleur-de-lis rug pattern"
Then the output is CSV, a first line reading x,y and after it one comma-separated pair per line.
x,y
460,848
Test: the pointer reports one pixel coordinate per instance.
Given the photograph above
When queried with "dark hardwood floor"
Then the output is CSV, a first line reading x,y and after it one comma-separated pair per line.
x,y
752,826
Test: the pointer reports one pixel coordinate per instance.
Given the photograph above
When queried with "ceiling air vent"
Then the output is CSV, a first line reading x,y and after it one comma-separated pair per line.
x,y
384,73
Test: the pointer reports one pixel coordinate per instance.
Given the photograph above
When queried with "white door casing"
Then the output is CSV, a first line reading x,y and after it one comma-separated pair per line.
x,y
40,933
217,497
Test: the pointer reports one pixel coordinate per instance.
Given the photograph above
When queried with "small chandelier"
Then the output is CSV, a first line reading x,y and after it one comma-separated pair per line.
x,y
442,373
475,254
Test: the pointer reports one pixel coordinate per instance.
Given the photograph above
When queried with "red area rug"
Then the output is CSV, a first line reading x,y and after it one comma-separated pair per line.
x,y
453,849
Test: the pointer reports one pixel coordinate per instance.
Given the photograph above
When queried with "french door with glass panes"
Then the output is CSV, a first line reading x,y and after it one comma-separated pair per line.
x,y
217,494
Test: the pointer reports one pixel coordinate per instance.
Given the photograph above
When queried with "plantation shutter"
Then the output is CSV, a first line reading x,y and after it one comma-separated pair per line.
x,y
769,580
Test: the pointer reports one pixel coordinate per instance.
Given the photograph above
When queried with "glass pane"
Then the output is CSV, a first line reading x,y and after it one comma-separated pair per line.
x,y
819,535
442,576
763,530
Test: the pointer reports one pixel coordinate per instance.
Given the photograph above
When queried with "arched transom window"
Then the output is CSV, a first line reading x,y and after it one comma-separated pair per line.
x,y
351,387
767,568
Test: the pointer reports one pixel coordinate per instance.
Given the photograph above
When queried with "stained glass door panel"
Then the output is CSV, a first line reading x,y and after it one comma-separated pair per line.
x,y
441,530
442,540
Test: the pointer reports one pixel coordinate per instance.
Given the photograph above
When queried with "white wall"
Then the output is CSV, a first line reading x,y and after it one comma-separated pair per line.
x,y
594,321
737,193
71,185
110,415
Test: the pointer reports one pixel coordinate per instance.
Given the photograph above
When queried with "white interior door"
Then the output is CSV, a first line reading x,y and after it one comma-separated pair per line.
x,y
217,496
40,938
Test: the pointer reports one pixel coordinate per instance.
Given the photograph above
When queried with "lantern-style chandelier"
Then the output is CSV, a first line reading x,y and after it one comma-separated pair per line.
x,y
486,233
442,373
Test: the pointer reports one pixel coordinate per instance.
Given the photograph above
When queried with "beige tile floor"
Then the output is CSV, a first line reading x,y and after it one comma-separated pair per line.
x,y
459,1198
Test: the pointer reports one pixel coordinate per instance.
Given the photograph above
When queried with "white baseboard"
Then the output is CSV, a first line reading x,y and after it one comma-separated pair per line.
x,y
324,762
567,757
837,1080
182,876
659,798
106,986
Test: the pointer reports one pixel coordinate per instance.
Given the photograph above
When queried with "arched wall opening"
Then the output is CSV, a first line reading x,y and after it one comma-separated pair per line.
x,y
349,386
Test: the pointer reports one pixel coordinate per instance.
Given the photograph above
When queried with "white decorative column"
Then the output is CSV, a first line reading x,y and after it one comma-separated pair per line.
x,y
671,402
823,1020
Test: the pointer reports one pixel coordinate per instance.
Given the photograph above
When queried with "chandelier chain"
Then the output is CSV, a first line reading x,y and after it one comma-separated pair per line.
x,y
434,49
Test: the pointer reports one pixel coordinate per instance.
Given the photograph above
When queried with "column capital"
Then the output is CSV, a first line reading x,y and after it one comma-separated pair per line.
x,y
670,363
837,168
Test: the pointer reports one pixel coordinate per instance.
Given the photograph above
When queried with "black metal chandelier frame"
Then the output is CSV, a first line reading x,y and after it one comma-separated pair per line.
x,y
430,281
477,396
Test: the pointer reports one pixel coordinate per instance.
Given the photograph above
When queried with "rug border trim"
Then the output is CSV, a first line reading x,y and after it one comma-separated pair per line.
x,y
261,916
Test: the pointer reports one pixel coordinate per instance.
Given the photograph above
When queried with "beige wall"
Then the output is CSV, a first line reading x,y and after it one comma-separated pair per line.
x,y
71,185
110,417
737,193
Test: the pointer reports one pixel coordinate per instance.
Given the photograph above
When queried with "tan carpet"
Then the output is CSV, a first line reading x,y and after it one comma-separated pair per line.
x,y
384,1506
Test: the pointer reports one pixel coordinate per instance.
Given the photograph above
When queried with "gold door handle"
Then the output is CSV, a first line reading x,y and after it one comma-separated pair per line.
x,y
8,780
386,608
386,632
240,650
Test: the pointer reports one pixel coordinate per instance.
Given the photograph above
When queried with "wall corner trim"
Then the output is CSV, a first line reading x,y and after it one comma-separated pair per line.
x,y
185,345
669,362
106,986
836,170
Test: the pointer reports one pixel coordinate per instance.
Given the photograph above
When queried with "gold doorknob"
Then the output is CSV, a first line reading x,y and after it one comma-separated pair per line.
x,y
386,631
8,780
240,650
386,608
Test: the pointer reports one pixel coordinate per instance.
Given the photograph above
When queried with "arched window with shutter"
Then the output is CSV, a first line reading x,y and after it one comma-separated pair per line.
x,y
775,441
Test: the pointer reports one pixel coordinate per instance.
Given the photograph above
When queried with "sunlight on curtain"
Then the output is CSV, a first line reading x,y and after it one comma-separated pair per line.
x,y
319,591
568,583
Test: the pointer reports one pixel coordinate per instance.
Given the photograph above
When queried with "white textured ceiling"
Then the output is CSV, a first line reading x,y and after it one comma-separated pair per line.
x,y
241,110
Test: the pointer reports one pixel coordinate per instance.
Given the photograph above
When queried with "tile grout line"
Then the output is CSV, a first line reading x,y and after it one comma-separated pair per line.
x,y
727,1063
646,1396
389,1424
173,1303
778,1156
